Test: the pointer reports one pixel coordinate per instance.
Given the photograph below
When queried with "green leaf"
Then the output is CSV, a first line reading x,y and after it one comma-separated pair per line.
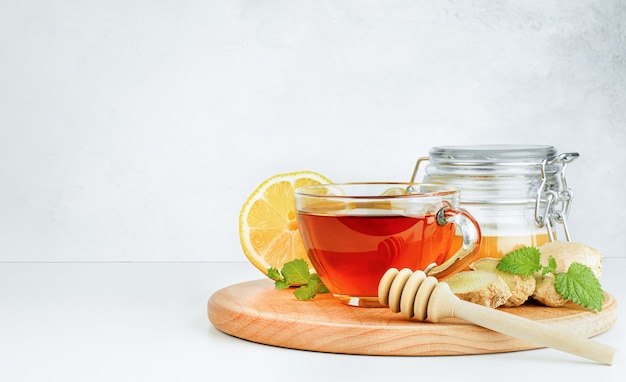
x,y
550,268
273,274
581,286
306,292
524,262
321,288
296,272
282,284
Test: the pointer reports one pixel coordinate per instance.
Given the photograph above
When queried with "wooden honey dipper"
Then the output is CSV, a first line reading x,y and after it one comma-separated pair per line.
x,y
422,297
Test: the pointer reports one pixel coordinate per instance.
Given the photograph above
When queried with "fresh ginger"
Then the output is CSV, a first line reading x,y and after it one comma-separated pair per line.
x,y
564,253
545,291
521,287
484,283
480,287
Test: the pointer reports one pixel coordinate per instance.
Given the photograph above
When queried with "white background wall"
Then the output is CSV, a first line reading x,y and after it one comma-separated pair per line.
x,y
134,130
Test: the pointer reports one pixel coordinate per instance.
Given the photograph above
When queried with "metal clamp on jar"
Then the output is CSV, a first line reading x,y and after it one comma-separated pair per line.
x,y
517,193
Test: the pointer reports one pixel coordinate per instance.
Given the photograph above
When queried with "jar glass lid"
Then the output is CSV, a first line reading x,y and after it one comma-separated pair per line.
x,y
502,159
491,154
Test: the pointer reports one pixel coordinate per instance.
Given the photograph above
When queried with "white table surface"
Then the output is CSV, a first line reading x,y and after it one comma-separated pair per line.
x,y
148,322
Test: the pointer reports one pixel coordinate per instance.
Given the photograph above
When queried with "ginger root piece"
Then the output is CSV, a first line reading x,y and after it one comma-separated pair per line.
x,y
565,253
480,287
545,292
521,287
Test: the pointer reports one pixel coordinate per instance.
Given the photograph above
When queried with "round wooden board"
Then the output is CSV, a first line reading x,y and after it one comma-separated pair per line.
x,y
257,312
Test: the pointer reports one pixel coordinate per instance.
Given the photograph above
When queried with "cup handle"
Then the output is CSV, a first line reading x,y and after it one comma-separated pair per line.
x,y
471,234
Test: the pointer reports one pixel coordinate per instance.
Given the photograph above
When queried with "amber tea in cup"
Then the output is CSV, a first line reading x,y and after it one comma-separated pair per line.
x,y
355,232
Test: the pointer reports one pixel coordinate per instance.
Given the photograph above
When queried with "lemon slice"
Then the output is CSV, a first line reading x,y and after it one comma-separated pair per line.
x,y
268,230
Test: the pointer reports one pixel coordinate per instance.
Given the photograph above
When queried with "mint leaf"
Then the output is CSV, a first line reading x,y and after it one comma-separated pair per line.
x,y
282,284
524,262
274,274
321,288
296,272
306,292
551,268
581,286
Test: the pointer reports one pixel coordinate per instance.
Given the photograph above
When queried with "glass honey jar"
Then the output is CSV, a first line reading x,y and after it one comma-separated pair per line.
x,y
517,193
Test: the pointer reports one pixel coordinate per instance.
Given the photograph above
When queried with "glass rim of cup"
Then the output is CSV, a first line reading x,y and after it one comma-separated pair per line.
x,y
440,189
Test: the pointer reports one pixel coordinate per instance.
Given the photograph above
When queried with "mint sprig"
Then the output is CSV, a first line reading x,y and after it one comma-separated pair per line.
x,y
524,262
578,284
581,286
296,274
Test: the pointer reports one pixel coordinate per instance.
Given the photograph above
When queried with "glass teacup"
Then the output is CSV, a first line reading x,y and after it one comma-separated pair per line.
x,y
354,232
